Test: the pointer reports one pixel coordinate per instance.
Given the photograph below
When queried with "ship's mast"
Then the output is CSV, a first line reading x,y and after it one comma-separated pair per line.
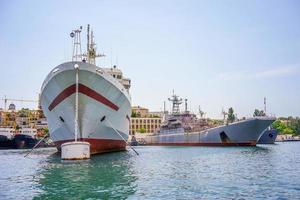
x,y
176,101
75,34
265,105
88,40
185,105
91,47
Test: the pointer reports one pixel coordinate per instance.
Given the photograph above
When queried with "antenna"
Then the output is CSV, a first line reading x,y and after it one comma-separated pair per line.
x,y
75,34
88,41
265,105
176,101
91,51
185,102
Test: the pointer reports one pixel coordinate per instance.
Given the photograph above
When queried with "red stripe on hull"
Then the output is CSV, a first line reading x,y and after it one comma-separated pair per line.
x,y
84,90
62,96
99,145
98,97
204,144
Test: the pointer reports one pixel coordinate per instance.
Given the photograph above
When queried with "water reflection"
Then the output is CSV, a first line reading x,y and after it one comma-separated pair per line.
x,y
268,171
105,176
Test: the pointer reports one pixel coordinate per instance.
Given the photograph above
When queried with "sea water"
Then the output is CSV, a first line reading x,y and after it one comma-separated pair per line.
x,y
262,172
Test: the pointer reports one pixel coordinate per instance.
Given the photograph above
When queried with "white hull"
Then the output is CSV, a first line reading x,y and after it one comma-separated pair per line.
x,y
101,97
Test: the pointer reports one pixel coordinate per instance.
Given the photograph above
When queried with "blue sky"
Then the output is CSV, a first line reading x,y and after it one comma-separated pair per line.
x,y
216,53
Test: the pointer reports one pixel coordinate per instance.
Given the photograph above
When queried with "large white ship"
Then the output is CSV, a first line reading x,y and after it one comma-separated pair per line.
x,y
84,101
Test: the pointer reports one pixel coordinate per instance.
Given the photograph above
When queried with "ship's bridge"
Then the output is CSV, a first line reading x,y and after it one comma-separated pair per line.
x,y
117,74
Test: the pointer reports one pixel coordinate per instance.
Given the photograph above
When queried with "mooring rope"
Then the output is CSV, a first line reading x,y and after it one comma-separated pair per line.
x,y
36,145
122,137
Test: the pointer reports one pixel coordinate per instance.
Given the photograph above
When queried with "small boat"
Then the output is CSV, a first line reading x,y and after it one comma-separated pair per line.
x,y
6,135
133,141
26,138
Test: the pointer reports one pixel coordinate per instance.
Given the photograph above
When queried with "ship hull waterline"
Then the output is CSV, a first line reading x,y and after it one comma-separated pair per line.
x,y
103,111
98,146
209,144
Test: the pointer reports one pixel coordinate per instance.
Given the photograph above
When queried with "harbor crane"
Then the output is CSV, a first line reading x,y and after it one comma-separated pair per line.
x,y
20,100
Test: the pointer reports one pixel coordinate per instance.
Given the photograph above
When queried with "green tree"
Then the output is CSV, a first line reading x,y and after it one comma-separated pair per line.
x,y
45,130
133,114
297,125
231,116
142,130
24,112
288,130
283,128
258,113
294,124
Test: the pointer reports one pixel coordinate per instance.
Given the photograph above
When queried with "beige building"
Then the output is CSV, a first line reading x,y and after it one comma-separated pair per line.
x,y
144,125
143,121
138,111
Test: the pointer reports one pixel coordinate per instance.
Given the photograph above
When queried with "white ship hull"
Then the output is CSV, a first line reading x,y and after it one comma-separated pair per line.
x,y
104,107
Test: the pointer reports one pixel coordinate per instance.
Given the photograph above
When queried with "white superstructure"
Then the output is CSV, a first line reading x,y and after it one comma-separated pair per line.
x,y
8,132
29,131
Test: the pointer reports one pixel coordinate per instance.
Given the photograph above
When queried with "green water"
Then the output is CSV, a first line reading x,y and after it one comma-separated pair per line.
x,y
263,172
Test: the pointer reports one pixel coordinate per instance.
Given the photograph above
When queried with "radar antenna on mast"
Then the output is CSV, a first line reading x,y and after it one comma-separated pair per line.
x,y
75,34
91,53
91,47
176,101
